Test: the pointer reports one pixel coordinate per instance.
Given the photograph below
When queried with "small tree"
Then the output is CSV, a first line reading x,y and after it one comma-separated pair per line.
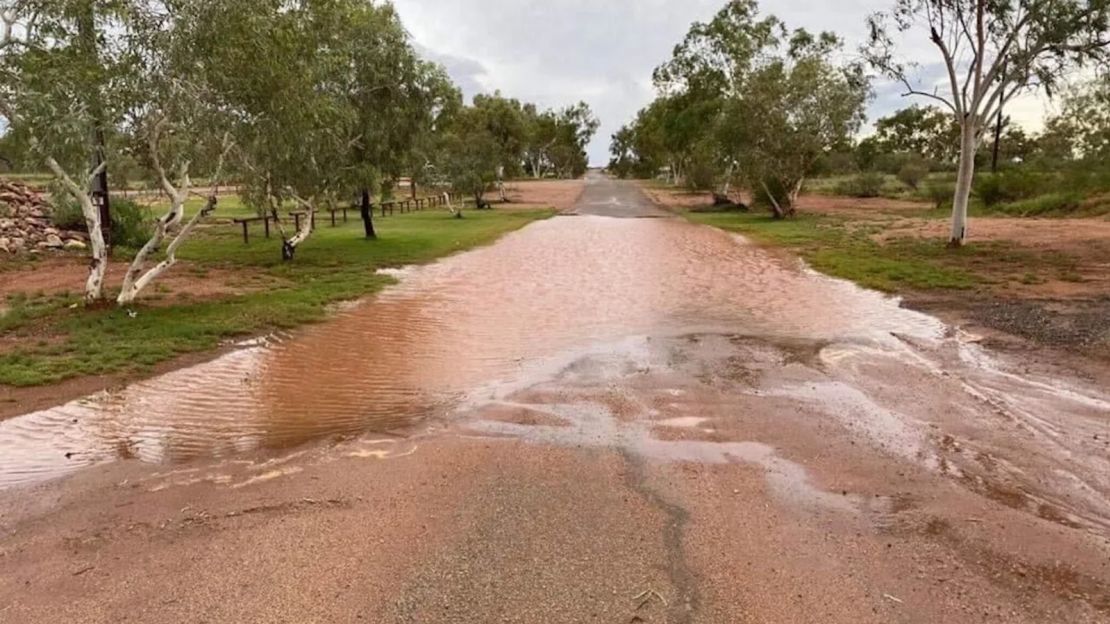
x,y
59,94
991,50
1082,128
471,154
178,129
795,108
913,173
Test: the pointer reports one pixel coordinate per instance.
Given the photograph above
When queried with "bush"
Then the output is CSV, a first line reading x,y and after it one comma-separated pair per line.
x,y
1010,186
940,193
1050,204
66,212
869,184
132,224
912,173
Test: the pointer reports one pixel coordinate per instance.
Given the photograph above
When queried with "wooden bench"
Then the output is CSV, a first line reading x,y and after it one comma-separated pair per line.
x,y
343,209
246,224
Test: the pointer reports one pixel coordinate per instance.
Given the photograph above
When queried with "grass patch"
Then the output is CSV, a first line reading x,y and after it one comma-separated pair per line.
x,y
336,264
832,246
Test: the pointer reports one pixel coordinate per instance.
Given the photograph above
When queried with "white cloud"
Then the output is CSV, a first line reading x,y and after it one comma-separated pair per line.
x,y
557,52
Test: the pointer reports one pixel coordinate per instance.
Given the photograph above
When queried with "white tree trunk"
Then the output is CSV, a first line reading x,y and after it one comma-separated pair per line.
x,y
290,245
501,183
131,280
98,266
969,143
132,289
795,191
451,207
779,212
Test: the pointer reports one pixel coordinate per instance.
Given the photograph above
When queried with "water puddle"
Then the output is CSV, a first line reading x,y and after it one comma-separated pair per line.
x,y
417,348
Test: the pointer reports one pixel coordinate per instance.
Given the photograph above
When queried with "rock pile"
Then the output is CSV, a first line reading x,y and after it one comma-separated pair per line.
x,y
26,226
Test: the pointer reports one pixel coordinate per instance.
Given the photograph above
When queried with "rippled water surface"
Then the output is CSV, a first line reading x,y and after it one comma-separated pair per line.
x,y
477,318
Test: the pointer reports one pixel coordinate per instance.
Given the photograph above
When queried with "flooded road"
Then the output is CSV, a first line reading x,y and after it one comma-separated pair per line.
x,y
676,378
486,316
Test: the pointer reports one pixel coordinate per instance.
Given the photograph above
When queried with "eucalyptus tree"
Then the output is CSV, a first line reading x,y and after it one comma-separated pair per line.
x,y
506,123
1081,129
705,70
280,71
398,100
63,83
541,134
622,148
178,130
798,104
471,153
575,127
743,92
557,139
925,131
990,51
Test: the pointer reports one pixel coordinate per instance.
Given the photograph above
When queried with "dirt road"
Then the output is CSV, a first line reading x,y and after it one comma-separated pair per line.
x,y
597,419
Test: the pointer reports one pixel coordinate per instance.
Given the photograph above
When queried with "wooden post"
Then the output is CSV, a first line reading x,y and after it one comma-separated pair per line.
x,y
266,224
297,221
246,236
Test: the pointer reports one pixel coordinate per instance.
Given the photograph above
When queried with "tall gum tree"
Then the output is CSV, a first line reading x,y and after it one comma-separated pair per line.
x,y
59,94
990,51
177,129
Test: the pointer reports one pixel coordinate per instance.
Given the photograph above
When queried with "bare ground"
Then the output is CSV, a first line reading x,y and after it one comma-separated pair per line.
x,y
559,194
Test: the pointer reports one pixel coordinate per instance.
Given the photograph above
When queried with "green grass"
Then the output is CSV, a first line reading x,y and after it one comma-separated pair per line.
x,y
335,264
842,247
834,248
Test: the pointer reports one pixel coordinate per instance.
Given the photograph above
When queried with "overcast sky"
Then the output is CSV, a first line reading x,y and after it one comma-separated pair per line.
x,y
557,52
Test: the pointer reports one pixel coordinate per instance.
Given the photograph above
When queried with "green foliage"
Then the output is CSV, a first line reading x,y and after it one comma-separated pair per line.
x,y
1081,130
923,132
867,184
913,173
834,249
66,212
1011,185
771,191
132,224
940,193
556,140
1051,204
471,152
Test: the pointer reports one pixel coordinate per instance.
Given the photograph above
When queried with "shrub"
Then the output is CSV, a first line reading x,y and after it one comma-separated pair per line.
x,y
1010,186
869,184
912,173
940,193
131,223
66,212
1052,203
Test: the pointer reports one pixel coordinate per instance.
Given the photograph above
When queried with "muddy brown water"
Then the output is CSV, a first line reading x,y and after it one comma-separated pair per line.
x,y
608,279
